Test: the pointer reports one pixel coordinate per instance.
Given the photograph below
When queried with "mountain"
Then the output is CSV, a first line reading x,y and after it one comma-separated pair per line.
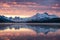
x,y
4,19
37,18
45,17
42,17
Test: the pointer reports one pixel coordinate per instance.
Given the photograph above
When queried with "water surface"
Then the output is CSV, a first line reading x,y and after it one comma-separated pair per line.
x,y
29,31
36,27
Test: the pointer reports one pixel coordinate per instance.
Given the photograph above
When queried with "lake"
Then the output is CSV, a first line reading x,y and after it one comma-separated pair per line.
x,y
31,31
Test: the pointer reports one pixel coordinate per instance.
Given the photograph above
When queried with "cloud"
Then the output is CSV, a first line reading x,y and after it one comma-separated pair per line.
x,y
16,7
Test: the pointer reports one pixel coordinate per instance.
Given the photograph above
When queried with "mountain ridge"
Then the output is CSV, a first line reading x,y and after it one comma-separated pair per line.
x,y
45,17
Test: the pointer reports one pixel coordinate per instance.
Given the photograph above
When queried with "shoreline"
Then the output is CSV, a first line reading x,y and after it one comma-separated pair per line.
x,y
32,23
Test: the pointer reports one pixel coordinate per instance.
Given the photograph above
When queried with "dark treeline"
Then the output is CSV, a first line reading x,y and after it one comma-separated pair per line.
x,y
3,19
54,20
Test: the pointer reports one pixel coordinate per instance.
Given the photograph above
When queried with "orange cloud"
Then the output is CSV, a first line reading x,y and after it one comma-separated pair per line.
x,y
5,5
25,8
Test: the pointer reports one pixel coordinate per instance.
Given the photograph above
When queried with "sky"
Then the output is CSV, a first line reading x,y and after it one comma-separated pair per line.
x,y
27,8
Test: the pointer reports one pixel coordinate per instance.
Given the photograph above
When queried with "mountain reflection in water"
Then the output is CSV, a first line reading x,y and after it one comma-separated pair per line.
x,y
29,32
38,28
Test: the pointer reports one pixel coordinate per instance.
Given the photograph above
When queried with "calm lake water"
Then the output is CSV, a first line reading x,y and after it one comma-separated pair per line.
x,y
29,31
36,27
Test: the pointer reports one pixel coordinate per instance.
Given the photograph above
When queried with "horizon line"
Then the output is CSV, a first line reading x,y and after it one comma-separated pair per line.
x,y
24,16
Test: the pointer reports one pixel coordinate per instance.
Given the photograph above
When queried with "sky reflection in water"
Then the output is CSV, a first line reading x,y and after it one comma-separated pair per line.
x,y
37,28
29,32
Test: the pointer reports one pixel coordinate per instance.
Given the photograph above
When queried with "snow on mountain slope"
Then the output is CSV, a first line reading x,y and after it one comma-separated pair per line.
x,y
43,16
38,17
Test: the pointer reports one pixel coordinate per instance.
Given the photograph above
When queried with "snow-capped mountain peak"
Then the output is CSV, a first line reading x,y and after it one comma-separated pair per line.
x,y
43,16
38,15
46,13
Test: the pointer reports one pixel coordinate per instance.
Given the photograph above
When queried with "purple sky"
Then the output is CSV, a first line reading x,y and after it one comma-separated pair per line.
x,y
29,7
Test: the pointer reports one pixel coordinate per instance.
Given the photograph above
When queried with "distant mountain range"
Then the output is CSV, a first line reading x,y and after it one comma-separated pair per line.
x,y
37,18
44,18
3,19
